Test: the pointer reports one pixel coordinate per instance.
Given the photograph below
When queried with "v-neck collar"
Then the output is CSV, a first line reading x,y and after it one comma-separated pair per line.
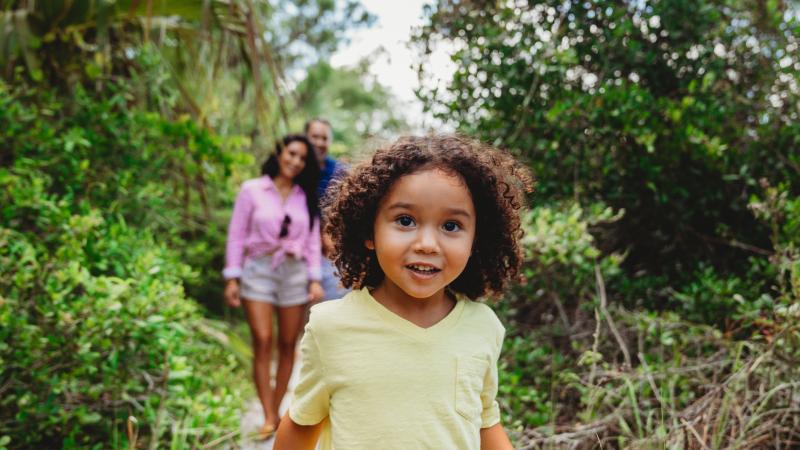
x,y
406,326
268,184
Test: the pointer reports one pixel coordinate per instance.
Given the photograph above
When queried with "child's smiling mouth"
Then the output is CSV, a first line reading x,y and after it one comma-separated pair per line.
x,y
425,270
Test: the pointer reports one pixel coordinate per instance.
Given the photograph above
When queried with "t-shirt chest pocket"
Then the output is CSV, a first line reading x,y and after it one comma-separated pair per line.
x,y
470,374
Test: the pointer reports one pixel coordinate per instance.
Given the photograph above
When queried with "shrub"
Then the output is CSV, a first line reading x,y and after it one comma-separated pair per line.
x,y
95,325
732,303
650,379
669,109
541,313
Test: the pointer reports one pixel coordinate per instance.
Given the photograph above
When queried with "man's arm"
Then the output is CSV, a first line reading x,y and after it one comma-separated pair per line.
x,y
493,438
292,436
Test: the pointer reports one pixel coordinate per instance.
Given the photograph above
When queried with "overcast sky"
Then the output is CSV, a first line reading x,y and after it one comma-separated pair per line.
x,y
393,65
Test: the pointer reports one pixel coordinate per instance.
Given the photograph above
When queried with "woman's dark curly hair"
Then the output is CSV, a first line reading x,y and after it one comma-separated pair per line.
x,y
496,181
308,179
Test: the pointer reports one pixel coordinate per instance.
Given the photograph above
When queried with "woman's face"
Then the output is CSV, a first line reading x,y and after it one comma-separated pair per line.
x,y
292,160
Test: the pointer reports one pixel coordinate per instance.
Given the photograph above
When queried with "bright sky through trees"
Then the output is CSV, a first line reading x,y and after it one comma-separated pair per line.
x,y
386,44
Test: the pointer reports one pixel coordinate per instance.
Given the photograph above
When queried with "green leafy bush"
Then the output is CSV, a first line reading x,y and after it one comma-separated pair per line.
x,y
581,374
669,109
732,303
96,326
561,260
562,263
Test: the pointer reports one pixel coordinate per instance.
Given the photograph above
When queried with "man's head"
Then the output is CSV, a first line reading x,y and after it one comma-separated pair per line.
x,y
320,133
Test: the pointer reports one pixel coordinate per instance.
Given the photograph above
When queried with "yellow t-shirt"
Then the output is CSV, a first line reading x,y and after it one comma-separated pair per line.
x,y
385,383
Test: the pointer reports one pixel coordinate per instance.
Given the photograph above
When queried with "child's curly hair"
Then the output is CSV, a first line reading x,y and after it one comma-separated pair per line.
x,y
496,181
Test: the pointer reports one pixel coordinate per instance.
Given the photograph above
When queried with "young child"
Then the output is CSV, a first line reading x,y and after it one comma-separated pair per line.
x,y
407,360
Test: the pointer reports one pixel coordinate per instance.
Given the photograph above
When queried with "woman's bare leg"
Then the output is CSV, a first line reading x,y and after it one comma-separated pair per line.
x,y
290,321
259,318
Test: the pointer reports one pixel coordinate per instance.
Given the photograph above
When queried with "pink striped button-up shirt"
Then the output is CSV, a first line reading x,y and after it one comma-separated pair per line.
x,y
255,227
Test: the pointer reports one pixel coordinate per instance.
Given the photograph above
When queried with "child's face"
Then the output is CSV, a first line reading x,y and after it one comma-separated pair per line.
x,y
423,233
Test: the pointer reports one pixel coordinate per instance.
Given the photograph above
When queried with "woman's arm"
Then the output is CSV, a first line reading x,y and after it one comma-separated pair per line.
x,y
292,436
495,438
312,254
238,229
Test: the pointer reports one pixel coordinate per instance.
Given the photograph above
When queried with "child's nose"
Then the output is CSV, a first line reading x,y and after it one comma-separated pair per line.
x,y
426,241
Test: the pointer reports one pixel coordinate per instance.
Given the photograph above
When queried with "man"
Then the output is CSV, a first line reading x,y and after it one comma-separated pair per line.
x,y
320,133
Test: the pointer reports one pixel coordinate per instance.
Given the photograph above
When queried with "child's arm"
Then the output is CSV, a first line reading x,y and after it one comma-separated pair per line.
x,y
300,428
292,436
492,438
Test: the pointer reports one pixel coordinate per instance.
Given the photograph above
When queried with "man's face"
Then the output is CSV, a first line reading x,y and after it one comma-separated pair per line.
x,y
320,135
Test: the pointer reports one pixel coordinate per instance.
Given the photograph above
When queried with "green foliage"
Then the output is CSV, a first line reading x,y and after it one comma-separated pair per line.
x,y
644,379
561,262
671,110
82,352
97,202
561,258
679,114
526,380
558,238
167,176
683,114
225,62
729,302
358,106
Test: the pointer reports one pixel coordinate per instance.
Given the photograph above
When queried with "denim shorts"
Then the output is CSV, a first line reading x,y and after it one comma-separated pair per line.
x,y
286,285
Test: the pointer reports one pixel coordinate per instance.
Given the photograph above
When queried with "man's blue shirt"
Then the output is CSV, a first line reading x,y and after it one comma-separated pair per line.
x,y
331,170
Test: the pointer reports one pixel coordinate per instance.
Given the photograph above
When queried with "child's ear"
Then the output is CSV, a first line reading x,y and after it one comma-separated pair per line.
x,y
370,244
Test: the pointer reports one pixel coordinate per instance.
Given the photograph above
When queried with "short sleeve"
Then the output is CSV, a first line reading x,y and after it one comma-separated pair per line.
x,y
490,416
311,396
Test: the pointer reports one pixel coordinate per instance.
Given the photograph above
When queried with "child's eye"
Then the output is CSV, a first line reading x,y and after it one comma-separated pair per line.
x,y
405,221
451,226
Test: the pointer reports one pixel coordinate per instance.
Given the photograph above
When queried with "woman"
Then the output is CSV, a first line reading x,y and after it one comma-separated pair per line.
x,y
273,261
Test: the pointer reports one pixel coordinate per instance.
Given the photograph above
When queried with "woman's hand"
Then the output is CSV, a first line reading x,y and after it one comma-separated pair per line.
x,y
315,292
232,293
